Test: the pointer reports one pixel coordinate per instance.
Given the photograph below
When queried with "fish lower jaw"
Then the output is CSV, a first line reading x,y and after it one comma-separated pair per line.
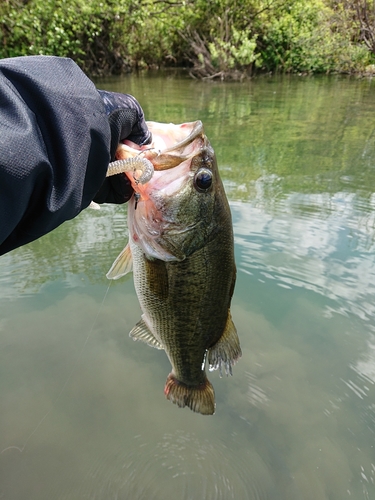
x,y
200,398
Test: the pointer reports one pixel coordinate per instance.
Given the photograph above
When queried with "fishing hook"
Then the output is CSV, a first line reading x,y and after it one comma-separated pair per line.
x,y
137,197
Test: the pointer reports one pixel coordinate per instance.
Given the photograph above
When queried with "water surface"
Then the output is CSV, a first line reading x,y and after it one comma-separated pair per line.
x,y
83,415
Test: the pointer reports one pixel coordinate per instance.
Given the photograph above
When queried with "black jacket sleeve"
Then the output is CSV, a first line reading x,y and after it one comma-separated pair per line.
x,y
54,146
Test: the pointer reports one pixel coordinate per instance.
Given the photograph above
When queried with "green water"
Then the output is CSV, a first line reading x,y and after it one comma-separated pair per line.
x,y
83,415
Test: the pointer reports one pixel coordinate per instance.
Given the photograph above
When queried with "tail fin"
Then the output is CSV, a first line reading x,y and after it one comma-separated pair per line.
x,y
199,398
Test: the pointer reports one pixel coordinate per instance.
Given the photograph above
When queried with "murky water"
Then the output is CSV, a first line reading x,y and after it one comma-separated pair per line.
x,y
83,415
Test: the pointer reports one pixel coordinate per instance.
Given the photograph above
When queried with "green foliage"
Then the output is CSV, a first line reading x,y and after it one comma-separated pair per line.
x,y
302,36
84,31
215,38
239,51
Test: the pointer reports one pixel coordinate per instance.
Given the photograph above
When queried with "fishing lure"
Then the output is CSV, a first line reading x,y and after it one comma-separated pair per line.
x,y
132,165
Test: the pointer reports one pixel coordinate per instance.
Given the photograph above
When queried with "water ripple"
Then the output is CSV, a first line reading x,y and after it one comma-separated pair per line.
x,y
180,462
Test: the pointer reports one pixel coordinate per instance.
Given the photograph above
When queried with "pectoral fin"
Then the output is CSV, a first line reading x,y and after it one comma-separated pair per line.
x,y
227,349
122,265
142,332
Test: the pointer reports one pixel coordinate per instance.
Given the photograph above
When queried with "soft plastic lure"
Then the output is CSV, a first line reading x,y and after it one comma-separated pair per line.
x,y
132,165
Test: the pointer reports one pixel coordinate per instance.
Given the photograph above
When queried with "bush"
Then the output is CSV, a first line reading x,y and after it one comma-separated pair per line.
x,y
219,38
85,31
303,37
230,37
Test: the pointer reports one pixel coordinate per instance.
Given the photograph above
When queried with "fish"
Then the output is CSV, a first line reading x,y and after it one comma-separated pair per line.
x,y
181,252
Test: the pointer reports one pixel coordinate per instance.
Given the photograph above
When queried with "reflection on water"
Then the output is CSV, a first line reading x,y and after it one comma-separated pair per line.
x,y
326,250
83,411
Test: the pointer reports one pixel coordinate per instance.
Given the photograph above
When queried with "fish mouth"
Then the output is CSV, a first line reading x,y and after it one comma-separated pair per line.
x,y
173,144
172,137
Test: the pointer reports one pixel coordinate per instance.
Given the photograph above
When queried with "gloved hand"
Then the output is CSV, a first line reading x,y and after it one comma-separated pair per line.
x,y
126,120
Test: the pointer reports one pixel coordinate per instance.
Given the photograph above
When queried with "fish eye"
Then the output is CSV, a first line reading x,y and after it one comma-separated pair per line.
x,y
203,179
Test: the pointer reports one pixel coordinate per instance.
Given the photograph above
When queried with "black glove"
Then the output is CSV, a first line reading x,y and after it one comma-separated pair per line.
x,y
126,120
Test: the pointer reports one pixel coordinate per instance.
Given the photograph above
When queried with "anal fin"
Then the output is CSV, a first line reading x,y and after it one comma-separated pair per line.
x,y
227,349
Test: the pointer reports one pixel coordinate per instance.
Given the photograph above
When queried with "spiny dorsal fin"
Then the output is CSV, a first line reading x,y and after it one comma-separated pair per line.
x,y
122,265
142,332
227,349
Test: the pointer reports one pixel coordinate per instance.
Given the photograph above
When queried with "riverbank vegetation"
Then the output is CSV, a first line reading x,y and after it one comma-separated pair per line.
x,y
212,38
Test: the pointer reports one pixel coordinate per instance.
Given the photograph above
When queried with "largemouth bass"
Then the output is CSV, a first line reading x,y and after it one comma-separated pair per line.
x,y
181,252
